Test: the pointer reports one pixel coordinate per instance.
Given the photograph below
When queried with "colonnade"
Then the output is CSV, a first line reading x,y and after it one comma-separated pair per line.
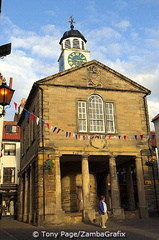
x,y
26,210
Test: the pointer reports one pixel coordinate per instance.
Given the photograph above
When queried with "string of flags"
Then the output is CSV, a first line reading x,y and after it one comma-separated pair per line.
x,y
57,130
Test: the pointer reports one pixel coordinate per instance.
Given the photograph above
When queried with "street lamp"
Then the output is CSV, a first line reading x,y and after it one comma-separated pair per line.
x,y
6,94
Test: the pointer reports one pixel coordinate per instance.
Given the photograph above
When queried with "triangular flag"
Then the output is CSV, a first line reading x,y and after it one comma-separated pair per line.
x,y
54,129
141,136
135,136
15,105
32,117
26,113
43,122
125,137
58,130
48,125
37,120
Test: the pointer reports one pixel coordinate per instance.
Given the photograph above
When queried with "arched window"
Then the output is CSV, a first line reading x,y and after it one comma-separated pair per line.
x,y
76,43
82,45
96,114
67,44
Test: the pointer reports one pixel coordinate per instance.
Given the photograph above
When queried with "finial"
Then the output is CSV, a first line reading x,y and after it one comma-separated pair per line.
x,y
71,21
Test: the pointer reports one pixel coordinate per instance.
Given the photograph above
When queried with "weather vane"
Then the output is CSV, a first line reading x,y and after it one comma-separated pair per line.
x,y
71,21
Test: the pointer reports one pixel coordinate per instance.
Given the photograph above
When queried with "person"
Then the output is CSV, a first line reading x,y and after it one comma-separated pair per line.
x,y
103,211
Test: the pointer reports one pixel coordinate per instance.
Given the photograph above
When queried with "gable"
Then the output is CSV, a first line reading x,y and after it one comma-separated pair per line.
x,y
96,75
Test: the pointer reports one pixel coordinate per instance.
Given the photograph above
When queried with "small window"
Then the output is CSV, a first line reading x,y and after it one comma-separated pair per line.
x,y
76,43
110,118
11,128
82,116
8,175
67,44
82,45
9,149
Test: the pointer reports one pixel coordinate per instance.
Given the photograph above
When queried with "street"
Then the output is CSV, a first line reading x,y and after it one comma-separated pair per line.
x,y
135,229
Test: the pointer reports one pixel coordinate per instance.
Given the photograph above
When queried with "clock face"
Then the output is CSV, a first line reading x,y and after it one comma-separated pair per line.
x,y
76,59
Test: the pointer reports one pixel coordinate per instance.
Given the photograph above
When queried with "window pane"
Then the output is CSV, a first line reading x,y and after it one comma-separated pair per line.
x,y
110,118
96,114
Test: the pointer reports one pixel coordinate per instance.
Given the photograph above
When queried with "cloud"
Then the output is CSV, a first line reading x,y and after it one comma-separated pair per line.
x,y
123,25
131,53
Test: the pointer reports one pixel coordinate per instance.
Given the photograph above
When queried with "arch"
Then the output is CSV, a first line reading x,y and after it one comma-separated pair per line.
x,y
76,43
96,114
67,44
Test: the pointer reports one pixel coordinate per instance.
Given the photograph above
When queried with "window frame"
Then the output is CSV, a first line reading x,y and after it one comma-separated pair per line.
x,y
9,176
11,129
5,150
104,119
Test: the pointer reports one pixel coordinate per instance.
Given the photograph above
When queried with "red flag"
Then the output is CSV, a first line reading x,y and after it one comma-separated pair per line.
x,y
48,125
58,130
15,105
125,137
141,136
32,117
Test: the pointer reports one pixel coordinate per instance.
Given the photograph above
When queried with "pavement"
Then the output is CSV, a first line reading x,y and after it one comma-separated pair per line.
x,y
133,229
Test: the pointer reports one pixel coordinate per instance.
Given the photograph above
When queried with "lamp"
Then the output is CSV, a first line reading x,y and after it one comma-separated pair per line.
x,y
6,94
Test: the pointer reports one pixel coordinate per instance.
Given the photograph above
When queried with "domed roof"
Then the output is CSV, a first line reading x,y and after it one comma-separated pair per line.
x,y
72,33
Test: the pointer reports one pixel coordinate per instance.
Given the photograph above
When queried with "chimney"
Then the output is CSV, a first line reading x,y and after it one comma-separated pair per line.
x,y
11,82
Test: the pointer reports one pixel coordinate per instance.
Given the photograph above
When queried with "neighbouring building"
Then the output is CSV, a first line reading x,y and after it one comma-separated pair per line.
x,y
10,166
84,132
155,120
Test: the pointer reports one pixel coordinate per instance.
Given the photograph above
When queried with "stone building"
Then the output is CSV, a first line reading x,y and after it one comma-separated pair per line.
x,y
10,165
84,132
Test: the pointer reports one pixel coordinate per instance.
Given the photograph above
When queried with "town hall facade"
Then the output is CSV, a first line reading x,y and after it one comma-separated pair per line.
x,y
84,133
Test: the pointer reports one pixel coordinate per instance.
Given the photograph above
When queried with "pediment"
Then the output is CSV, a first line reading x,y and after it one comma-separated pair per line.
x,y
96,75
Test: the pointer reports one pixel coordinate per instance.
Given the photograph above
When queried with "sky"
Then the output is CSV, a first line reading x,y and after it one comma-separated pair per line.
x,y
122,34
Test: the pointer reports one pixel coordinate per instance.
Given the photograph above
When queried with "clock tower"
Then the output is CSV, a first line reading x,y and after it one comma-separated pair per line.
x,y
73,49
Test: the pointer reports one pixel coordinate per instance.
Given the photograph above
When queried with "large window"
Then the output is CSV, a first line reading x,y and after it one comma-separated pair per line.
x,y
8,175
9,149
96,116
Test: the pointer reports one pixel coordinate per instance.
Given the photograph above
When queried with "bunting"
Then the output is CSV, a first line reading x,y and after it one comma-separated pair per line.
x,y
31,117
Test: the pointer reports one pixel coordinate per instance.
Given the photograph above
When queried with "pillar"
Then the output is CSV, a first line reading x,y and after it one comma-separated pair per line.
x,y
59,211
118,213
25,215
30,194
143,211
21,199
88,212
130,188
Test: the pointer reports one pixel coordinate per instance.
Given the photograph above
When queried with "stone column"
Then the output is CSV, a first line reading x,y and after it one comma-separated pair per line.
x,y
130,188
59,211
140,188
30,195
21,199
88,212
118,213
25,216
